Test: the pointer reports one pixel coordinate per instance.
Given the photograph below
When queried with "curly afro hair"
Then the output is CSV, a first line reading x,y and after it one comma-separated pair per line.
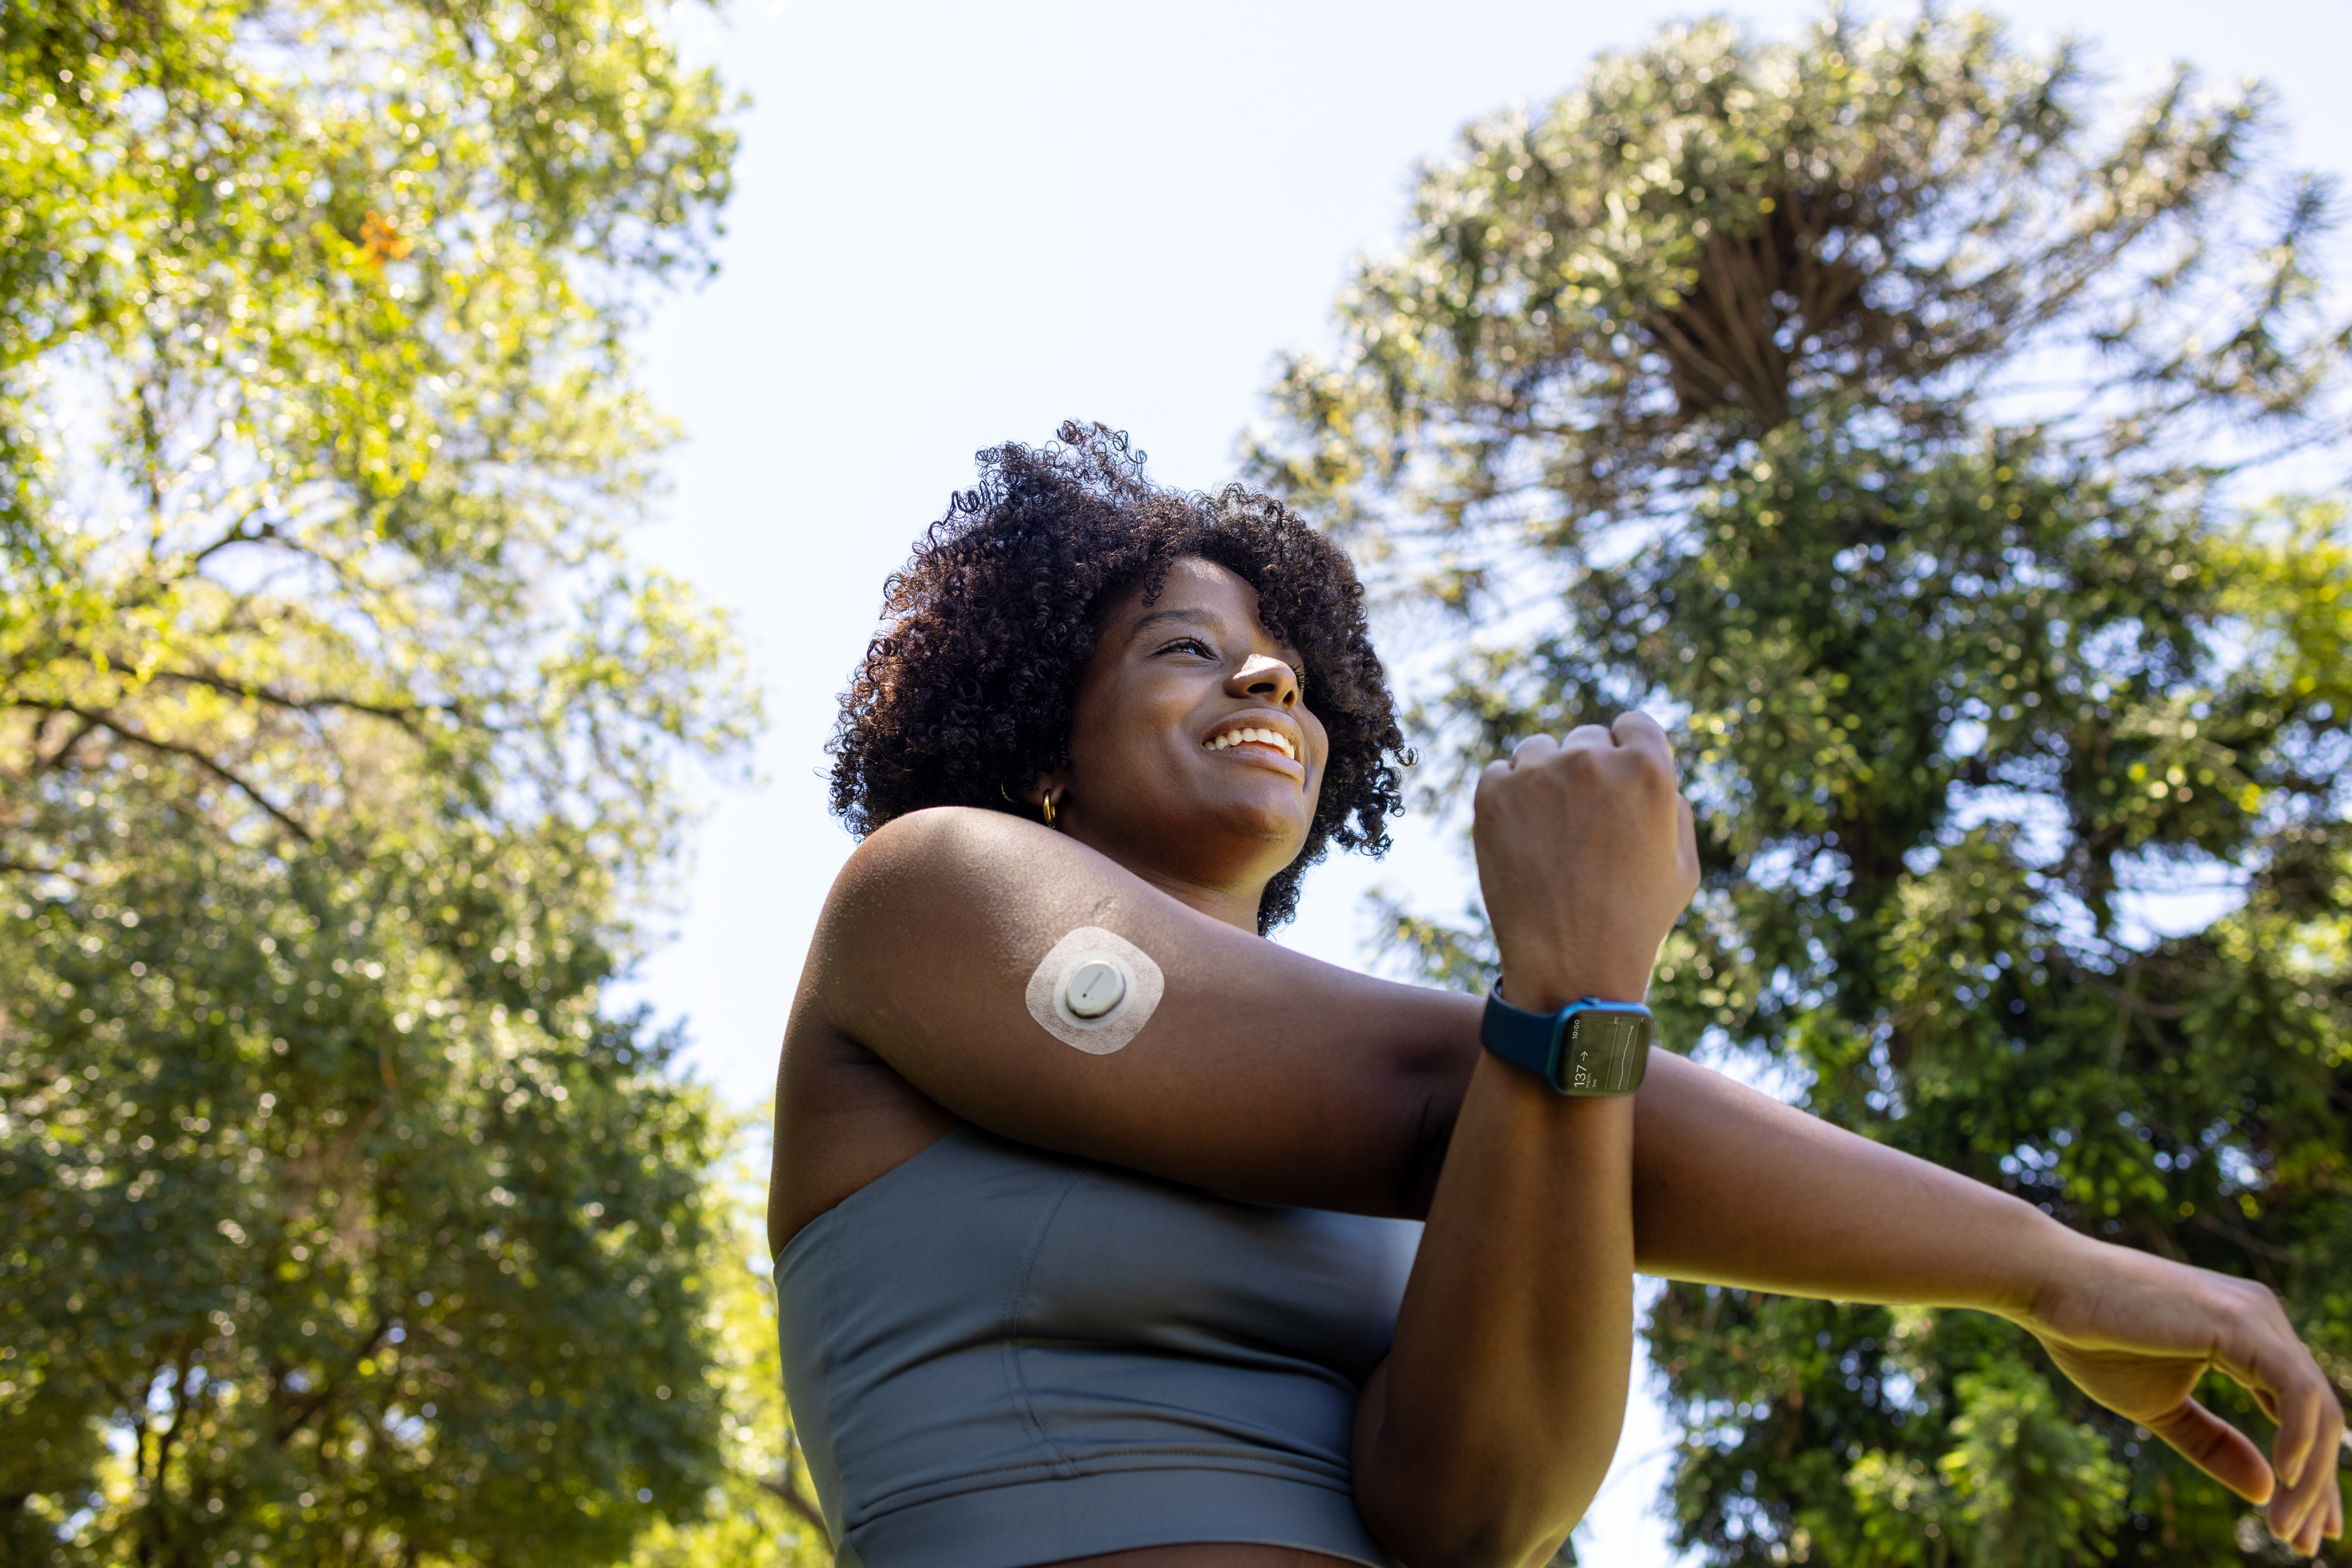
x,y
966,695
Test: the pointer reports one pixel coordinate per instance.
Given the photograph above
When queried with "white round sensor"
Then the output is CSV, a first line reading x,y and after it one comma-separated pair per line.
x,y
1093,991
1094,988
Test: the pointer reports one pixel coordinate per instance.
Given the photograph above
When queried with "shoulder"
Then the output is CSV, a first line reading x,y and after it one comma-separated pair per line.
x,y
945,896
963,863
948,858
945,838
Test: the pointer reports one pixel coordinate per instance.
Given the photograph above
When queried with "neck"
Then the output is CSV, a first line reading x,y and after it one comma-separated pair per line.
x,y
1226,893
1235,908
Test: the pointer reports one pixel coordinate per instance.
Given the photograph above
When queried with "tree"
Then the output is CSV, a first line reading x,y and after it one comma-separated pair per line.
x,y
343,1221
1711,388
765,1513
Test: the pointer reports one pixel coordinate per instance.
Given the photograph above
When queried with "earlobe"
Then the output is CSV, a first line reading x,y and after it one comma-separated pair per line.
x,y
1046,794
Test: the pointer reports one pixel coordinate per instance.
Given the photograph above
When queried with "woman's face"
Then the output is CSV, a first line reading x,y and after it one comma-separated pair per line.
x,y
1192,754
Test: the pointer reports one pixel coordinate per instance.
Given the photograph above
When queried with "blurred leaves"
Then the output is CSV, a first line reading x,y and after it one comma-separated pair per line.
x,y
764,1513
326,1244
1885,411
343,747
319,448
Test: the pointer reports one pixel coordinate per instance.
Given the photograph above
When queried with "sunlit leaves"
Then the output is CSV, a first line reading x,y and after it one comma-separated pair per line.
x,y
1722,386
2021,1488
342,743
323,369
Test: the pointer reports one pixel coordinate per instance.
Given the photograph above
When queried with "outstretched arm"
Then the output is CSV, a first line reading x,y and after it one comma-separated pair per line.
x,y
1732,1187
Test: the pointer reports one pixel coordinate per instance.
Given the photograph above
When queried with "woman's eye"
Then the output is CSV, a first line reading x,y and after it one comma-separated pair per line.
x,y
1191,645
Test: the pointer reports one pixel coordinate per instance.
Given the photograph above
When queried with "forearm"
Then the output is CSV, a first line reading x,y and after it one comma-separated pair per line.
x,y
1732,1187
1493,1422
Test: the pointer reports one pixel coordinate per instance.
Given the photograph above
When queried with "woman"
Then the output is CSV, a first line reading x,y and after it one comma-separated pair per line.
x,y
1151,1296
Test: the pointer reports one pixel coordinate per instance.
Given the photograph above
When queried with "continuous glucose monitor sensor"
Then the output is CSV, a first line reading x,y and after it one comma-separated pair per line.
x,y
1095,990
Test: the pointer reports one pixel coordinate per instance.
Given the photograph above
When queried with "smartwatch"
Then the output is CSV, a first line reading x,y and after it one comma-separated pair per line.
x,y
1587,1047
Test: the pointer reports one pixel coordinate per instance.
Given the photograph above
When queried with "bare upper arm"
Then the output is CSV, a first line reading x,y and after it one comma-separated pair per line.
x,y
1263,1074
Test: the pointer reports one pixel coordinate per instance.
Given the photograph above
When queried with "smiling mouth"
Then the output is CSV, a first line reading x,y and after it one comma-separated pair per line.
x,y
1268,738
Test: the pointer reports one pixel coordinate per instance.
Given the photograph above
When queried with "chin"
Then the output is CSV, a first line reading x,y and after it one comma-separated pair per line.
x,y
1268,822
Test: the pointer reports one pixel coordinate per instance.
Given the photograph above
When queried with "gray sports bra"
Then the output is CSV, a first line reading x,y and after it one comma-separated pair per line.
x,y
999,1357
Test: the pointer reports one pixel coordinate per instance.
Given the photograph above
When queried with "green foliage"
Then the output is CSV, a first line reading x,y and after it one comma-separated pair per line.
x,y
1934,769
764,1512
343,1255
1599,304
342,747
321,451
1702,391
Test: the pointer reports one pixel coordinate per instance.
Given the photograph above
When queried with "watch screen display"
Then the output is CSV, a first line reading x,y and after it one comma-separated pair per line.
x,y
1600,1055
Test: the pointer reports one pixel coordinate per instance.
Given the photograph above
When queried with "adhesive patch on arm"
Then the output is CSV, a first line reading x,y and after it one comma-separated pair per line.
x,y
1094,990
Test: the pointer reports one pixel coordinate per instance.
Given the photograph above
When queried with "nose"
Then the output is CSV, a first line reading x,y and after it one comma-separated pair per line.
x,y
1267,679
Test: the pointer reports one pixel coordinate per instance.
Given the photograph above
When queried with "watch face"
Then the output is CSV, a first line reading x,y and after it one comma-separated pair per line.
x,y
1603,1052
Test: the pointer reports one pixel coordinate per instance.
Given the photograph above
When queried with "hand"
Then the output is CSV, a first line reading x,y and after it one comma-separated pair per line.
x,y
2136,1332
1586,854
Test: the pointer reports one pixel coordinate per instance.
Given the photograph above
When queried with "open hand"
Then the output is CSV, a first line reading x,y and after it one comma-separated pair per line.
x,y
2136,1332
1586,855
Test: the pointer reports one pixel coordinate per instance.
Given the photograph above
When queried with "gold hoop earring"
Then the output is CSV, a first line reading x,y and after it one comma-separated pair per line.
x,y
1049,811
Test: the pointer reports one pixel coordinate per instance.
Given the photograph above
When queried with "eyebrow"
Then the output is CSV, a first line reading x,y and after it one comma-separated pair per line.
x,y
1192,617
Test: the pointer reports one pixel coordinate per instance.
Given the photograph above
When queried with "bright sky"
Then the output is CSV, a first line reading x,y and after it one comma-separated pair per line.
x,y
957,224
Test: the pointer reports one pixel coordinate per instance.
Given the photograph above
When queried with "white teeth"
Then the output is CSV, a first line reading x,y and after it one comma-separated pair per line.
x,y
1234,738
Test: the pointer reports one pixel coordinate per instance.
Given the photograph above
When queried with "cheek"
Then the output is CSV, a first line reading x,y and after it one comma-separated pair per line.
x,y
1126,733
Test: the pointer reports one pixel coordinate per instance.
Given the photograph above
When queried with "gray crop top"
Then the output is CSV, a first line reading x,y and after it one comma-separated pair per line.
x,y
999,1357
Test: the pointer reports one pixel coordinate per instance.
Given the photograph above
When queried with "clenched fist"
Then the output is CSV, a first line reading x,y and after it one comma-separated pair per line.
x,y
1587,856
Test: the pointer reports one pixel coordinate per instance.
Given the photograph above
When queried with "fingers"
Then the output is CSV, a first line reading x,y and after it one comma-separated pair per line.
x,y
2217,1449
2304,1532
2326,1522
2298,1416
2290,1388
1630,731
2311,1500
1640,732
1632,746
2310,1434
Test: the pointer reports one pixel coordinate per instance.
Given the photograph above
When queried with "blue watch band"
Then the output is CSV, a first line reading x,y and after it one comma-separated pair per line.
x,y
1586,1048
